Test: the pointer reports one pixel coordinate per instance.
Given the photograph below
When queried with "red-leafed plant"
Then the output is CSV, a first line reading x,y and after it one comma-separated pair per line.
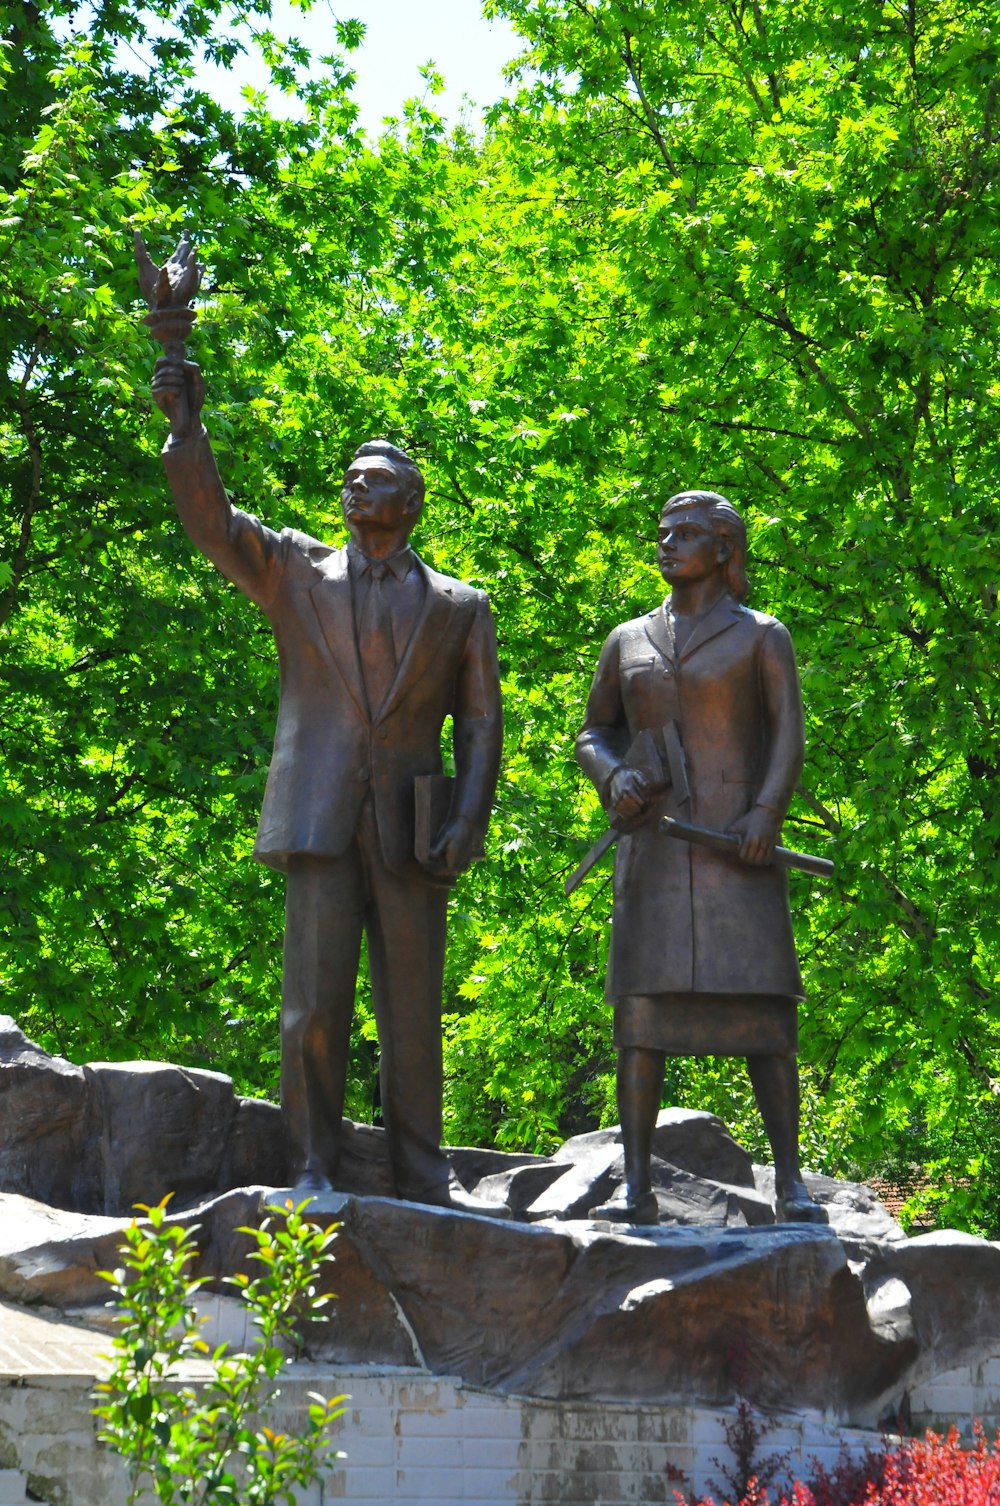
x,y
934,1471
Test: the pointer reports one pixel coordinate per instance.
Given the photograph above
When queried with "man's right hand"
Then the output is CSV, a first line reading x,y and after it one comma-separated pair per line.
x,y
179,391
628,793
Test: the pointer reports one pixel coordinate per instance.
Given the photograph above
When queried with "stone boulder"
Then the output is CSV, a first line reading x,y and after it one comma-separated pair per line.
x,y
716,1299
98,1139
51,1256
572,1309
559,1310
853,1210
698,1142
104,1137
163,1129
954,1284
701,1176
49,1138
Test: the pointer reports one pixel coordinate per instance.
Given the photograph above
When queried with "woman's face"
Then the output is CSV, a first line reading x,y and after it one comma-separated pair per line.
x,y
689,549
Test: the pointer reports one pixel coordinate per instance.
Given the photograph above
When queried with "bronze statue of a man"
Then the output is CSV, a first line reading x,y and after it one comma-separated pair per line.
x,y
702,960
375,651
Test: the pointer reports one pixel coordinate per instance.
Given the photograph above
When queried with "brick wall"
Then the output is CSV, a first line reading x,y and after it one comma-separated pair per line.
x,y
413,1437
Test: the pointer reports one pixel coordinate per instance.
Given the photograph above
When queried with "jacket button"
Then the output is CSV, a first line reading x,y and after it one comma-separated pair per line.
x,y
363,774
382,734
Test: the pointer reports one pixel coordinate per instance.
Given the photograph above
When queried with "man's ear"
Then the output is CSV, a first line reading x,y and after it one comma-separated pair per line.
x,y
725,551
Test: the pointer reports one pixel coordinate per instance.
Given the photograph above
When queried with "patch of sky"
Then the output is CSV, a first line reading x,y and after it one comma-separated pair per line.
x,y
401,37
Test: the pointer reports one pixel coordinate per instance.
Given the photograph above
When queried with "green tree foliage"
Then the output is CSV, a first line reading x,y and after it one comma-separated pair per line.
x,y
745,246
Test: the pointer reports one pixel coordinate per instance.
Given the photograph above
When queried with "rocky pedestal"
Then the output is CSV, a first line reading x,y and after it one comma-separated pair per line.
x,y
717,1300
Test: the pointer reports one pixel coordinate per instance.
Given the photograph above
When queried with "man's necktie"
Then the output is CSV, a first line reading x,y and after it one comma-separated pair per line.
x,y
378,653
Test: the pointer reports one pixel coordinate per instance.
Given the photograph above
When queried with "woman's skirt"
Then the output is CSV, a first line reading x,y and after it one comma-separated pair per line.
x,y
694,1024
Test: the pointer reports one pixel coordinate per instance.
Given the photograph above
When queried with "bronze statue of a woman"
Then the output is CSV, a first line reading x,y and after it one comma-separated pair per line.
x,y
702,960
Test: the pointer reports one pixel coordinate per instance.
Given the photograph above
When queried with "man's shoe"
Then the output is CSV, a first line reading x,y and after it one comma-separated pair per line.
x,y
313,1180
453,1196
794,1205
624,1209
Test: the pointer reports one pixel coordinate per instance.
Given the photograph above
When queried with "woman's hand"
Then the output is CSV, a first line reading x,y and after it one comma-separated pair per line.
x,y
758,832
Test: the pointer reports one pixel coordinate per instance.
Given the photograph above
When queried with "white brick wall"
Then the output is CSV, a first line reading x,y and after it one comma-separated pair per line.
x,y
13,1488
957,1396
412,1437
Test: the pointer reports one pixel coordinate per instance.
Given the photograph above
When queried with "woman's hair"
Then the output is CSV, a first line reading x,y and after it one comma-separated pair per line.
x,y
726,523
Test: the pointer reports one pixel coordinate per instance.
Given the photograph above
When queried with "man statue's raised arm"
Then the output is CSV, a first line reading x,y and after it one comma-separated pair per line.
x,y
246,552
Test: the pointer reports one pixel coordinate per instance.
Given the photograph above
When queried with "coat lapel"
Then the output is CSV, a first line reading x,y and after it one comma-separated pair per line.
x,y
660,628
660,632
331,598
426,638
723,615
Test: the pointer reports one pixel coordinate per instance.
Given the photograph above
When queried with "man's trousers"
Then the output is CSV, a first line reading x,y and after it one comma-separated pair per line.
x,y
330,902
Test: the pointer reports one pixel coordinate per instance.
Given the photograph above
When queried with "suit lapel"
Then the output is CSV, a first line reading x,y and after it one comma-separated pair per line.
x,y
660,632
331,598
723,615
426,638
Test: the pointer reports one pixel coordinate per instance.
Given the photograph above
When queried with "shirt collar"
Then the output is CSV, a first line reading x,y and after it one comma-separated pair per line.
x,y
400,563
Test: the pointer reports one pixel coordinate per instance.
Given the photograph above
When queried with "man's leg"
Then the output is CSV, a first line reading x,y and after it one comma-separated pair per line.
x,y
405,927
405,924
324,909
640,1087
775,1081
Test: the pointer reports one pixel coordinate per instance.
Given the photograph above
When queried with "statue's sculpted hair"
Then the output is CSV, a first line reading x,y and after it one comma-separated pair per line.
x,y
726,523
409,471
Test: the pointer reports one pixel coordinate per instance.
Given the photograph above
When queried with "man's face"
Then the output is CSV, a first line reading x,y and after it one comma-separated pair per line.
x,y
688,549
373,495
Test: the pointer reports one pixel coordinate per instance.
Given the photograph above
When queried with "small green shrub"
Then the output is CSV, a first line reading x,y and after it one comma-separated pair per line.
x,y
205,1442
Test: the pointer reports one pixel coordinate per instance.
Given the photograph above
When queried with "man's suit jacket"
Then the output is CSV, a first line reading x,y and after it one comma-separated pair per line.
x,y
330,747
686,919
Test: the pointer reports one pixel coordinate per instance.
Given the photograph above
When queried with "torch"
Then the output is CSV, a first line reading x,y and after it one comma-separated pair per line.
x,y
168,290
